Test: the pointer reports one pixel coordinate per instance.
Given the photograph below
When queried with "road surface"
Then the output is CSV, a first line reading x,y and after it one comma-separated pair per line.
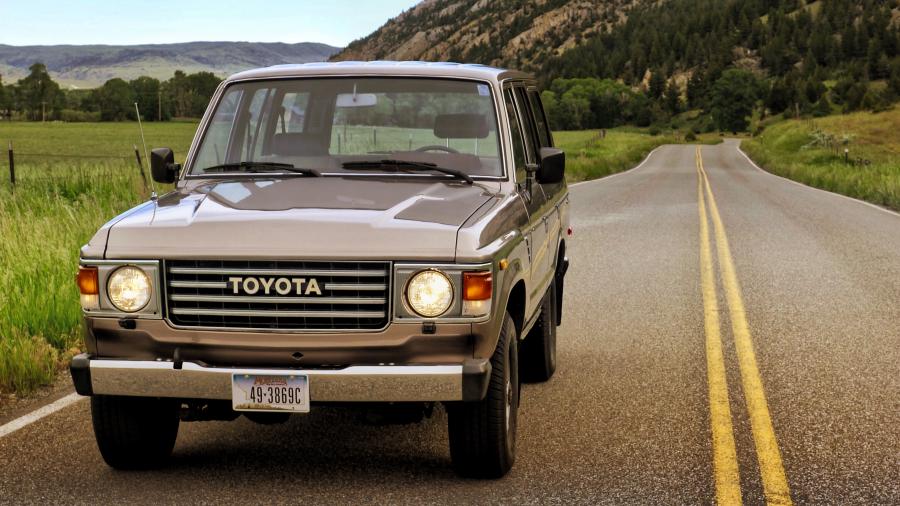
x,y
774,329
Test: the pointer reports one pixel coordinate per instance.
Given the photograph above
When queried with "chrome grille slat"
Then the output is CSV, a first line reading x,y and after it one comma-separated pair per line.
x,y
278,272
198,284
351,296
358,287
286,314
278,300
328,286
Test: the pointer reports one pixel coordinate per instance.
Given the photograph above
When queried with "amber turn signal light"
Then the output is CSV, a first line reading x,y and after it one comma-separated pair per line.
x,y
477,285
88,283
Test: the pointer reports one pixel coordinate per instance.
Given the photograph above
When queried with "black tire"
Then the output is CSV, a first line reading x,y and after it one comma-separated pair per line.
x,y
538,358
483,433
135,432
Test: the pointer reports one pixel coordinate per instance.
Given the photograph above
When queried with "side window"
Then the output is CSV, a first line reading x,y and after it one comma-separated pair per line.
x,y
532,144
515,133
252,145
540,119
215,143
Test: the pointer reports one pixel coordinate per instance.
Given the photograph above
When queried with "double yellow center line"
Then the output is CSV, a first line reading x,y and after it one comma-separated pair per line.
x,y
725,465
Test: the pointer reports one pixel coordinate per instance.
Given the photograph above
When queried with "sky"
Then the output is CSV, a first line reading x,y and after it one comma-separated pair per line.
x,y
334,22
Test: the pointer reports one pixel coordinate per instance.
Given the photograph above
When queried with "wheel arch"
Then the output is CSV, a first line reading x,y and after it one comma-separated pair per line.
x,y
515,305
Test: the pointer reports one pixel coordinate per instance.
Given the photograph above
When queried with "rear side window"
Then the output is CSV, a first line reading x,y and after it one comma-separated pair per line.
x,y
292,115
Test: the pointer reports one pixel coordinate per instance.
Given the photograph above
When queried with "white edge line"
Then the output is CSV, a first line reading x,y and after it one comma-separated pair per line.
x,y
610,176
863,202
30,418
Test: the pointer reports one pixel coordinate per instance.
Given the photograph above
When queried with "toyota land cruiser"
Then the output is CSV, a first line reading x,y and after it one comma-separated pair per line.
x,y
382,233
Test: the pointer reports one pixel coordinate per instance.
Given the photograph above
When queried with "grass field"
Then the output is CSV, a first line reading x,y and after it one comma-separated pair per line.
x,y
72,178
798,149
57,205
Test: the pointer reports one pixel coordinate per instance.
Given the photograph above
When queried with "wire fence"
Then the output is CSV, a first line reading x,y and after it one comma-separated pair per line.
x,y
63,161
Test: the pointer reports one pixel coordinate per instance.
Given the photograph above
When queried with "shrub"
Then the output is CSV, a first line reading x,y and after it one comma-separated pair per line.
x,y
75,116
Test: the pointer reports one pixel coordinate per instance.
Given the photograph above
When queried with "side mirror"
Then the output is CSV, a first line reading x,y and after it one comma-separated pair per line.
x,y
163,166
552,167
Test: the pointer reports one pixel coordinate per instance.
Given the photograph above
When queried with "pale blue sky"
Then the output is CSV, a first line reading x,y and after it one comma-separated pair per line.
x,y
335,22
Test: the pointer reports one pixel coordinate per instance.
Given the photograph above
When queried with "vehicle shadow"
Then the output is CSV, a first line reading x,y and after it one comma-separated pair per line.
x,y
321,447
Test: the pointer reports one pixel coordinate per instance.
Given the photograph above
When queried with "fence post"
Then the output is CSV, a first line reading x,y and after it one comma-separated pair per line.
x,y
137,155
12,165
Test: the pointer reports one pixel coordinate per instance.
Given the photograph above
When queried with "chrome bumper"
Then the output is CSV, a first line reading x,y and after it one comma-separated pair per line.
x,y
363,383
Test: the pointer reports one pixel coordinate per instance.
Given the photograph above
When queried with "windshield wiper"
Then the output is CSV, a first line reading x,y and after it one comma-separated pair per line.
x,y
396,165
261,167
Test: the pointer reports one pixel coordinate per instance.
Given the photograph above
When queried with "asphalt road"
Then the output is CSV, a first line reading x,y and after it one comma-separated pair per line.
x,y
627,418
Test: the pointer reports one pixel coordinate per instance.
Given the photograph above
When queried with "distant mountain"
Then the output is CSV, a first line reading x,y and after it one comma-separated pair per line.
x,y
91,66
515,33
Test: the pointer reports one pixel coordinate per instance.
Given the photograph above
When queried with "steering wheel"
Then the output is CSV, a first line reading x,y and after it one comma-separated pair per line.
x,y
437,147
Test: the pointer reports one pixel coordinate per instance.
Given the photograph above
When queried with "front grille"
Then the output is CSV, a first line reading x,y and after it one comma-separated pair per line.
x,y
354,295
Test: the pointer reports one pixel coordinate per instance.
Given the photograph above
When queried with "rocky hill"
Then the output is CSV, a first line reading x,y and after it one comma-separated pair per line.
x,y
516,33
91,66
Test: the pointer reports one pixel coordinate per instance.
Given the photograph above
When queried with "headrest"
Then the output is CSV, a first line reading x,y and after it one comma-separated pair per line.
x,y
460,126
298,144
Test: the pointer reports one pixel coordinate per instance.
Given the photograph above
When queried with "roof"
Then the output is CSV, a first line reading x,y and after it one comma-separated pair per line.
x,y
382,68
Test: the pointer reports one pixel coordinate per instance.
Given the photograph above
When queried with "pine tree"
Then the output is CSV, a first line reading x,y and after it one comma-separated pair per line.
x,y
672,98
657,85
696,90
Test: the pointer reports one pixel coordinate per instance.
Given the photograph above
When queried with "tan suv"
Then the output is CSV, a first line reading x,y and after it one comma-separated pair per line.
x,y
380,234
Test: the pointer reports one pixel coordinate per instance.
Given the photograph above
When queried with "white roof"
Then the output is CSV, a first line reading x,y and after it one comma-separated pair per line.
x,y
383,68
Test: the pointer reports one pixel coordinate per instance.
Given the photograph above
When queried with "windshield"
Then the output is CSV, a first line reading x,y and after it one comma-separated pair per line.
x,y
325,124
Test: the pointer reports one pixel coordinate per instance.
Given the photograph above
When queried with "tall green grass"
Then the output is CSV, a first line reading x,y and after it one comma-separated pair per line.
x,y
789,149
56,206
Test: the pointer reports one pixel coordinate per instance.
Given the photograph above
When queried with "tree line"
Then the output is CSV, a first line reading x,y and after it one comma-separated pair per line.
x,y
37,97
788,57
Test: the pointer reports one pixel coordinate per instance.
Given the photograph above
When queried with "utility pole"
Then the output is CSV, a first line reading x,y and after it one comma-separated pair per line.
x,y
158,105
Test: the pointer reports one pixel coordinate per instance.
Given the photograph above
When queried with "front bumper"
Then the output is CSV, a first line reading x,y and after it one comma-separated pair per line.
x,y
358,383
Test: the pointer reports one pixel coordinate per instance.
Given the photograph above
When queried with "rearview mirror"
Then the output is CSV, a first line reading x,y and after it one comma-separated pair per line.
x,y
356,100
162,165
552,167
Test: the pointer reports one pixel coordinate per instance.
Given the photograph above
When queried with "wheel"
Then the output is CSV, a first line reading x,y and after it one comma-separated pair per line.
x,y
539,347
134,432
483,433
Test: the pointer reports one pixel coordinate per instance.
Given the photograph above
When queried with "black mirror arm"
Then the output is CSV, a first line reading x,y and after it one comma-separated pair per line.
x,y
531,170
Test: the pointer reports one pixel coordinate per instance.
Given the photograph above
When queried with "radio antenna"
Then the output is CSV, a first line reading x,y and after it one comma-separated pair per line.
x,y
153,195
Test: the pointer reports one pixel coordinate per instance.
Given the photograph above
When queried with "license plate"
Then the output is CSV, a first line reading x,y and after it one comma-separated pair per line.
x,y
277,393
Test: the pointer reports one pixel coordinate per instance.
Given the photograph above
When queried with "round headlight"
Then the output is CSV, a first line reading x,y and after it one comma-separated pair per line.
x,y
429,293
129,289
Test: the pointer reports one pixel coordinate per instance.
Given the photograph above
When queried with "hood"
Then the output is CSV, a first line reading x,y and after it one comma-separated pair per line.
x,y
303,218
